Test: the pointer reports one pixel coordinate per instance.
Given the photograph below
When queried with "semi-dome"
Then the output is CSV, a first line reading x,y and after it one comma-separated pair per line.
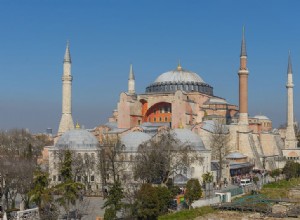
x,y
77,139
133,140
216,100
179,79
188,137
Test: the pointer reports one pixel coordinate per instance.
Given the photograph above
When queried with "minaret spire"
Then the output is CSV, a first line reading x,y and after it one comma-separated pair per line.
x,y
131,81
66,122
243,47
290,138
289,70
243,85
131,74
67,57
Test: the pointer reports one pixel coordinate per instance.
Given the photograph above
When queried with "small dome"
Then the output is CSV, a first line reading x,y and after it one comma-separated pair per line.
x,y
77,139
261,117
179,75
134,139
188,137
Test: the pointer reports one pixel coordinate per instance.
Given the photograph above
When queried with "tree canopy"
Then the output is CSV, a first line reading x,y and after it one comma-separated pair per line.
x,y
193,191
162,157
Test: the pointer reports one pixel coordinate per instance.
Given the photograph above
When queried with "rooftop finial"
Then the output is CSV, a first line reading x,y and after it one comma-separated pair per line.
x,y
67,57
289,70
243,48
131,74
77,126
179,68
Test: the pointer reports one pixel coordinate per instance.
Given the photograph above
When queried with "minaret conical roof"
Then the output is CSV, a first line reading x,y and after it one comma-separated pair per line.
x,y
289,69
243,47
67,57
131,74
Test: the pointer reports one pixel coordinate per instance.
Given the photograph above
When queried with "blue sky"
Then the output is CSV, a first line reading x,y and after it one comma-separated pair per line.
x,y
106,36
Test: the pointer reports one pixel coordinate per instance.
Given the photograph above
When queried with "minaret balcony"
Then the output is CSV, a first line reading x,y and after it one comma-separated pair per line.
x,y
67,78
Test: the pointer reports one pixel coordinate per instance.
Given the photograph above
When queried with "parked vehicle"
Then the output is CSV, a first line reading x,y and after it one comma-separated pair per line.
x,y
245,182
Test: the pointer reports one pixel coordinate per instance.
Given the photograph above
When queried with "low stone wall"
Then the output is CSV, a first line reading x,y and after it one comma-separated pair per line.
x,y
294,193
206,202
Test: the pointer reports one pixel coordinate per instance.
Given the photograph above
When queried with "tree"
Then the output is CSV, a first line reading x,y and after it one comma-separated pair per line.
x,y
207,178
152,201
164,198
111,161
42,196
275,173
158,159
291,170
219,143
19,151
193,191
113,201
68,189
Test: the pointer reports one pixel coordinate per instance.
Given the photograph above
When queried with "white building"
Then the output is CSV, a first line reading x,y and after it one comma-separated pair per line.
x,y
85,152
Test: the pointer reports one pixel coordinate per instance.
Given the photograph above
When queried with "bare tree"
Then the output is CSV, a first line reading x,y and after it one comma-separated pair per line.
x,y
112,159
19,151
162,157
219,143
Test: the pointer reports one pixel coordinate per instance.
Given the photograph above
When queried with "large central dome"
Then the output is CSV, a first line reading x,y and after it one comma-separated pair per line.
x,y
179,79
179,75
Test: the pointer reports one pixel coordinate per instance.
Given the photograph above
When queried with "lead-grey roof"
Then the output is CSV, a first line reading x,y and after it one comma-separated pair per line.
x,y
133,140
243,47
211,126
216,100
289,70
77,139
261,117
236,155
179,76
188,137
67,57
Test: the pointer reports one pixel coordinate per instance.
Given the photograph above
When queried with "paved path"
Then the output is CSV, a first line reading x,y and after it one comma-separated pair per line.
x,y
90,207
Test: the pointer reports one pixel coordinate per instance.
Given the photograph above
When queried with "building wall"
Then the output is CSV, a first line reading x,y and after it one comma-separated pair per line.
x,y
268,144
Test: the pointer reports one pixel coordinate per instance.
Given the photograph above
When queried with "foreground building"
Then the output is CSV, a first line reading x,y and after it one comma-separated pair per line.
x,y
84,148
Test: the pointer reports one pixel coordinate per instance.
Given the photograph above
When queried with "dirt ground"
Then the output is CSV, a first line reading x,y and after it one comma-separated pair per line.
x,y
231,215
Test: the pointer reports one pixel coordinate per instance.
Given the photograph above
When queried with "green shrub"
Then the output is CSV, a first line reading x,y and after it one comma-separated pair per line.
x,y
188,214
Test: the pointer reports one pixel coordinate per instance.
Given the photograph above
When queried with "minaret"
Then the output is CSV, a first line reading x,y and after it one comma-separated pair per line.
x,y
66,122
290,138
131,81
243,84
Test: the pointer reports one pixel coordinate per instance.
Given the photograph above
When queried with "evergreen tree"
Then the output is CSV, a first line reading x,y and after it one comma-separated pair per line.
x,y
113,201
41,195
147,202
207,179
193,191
68,189
291,170
152,201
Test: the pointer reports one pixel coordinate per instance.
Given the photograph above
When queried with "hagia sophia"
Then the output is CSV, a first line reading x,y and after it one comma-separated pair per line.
x,y
181,102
